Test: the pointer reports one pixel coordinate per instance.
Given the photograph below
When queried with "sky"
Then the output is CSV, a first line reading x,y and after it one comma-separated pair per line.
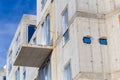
x,y
11,12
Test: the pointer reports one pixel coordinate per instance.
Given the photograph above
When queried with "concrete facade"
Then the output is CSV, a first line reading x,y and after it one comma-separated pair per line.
x,y
21,37
95,19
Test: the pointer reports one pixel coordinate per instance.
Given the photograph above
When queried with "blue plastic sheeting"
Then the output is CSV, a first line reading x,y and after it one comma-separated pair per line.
x,y
87,40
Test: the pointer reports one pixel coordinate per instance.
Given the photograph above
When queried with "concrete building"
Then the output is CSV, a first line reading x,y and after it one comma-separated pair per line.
x,y
74,40
2,74
25,30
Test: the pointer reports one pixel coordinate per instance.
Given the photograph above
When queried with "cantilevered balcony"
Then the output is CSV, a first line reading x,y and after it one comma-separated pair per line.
x,y
38,47
32,55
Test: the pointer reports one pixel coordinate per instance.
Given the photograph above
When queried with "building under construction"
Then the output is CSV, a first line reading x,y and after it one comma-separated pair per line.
x,y
67,40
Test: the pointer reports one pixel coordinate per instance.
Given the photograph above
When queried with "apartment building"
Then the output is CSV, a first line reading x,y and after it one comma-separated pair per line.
x,y
73,40
2,74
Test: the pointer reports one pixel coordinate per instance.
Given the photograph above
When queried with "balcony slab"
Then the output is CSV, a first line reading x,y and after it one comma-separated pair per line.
x,y
32,55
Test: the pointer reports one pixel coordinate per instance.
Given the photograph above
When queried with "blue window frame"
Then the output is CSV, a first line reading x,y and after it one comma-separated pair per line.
x,y
103,41
67,71
31,30
87,40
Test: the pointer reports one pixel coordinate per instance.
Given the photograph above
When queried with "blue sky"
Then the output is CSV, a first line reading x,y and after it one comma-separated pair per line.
x,y
11,12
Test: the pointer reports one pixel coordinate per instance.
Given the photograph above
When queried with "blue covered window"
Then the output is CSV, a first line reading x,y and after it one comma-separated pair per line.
x,y
67,71
103,41
31,30
87,40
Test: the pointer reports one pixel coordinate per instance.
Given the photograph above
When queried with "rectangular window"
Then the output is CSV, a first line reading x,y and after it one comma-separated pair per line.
x,y
43,2
10,62
87,40
45,72
45,31
42,34
17,74
65,26
103,41
17,44
4,77
18,39
34,41
10,67
31,30
67,71
24,73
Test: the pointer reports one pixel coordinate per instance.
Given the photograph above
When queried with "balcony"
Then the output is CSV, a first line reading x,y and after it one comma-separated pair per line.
x,y
32,55
36,46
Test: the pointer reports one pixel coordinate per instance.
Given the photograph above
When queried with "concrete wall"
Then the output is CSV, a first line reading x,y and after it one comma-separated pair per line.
x,y
96,19
113,30
88,60
97,6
